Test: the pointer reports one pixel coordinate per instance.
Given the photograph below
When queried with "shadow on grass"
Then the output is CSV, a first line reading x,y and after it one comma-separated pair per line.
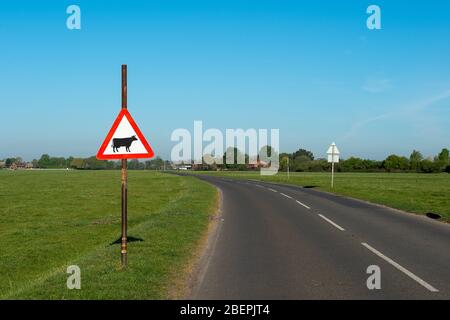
x,y
129,239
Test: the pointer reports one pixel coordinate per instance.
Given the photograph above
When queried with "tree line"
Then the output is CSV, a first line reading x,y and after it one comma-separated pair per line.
x,y
90,163
303,160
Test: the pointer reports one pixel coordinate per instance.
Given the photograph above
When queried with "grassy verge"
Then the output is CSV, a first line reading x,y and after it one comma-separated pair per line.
x,y
52,219
413,192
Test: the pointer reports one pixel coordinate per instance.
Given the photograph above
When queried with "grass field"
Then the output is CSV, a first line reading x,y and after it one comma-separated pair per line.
x,y
52,219
413,192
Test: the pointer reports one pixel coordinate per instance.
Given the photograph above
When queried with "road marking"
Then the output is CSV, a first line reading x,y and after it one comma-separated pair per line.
x,y
399,267
272,190
258,185
285,195
331,222
302,204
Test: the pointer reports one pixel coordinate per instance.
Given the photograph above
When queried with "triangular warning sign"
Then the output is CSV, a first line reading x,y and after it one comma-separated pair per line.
x,y
124,140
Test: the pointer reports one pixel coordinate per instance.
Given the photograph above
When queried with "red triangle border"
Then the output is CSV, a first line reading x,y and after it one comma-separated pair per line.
x,y
124,113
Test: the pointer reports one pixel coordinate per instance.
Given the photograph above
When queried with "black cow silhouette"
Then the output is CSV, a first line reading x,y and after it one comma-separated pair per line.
x,y
122,142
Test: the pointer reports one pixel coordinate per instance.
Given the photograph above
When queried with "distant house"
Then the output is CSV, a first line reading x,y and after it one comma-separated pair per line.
x,y
2,164
21,165
257,165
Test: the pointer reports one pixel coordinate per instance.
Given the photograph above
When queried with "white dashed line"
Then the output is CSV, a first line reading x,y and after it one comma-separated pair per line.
x,y
273,190
399,267
285,195
302,204
331,222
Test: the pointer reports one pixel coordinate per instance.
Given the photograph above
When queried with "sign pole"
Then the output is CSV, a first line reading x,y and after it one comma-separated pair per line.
x,y
124,141
124,178
332,166
332,174
288,167
333,156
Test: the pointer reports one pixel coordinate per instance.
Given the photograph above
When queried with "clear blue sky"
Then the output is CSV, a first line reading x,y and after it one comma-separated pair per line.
x,y
310,68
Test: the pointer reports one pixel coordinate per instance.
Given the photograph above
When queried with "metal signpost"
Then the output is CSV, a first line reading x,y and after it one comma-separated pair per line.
x,y
333,156
124,178
124,141
288,167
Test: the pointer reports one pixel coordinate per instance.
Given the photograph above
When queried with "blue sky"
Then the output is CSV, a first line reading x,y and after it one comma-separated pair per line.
x,y
310,68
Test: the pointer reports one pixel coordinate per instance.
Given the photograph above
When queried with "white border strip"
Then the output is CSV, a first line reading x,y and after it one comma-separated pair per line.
x,y
285,195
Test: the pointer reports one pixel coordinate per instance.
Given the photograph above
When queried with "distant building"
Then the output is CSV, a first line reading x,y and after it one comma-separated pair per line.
x,y
21,165
257,165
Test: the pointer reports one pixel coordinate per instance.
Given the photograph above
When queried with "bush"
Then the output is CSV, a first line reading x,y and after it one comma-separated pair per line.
x,y
396,163
428,166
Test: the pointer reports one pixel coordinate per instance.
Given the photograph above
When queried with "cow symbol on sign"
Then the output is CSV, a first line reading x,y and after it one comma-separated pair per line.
x,y
123,142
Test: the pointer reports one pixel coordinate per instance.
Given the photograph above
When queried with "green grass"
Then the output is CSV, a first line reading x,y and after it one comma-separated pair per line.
x,y
52,219
413,192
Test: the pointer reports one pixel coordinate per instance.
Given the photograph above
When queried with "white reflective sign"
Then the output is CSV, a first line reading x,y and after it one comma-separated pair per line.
x,y
333,153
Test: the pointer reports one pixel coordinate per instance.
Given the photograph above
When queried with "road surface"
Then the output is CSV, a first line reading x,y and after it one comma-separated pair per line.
x,y
288,242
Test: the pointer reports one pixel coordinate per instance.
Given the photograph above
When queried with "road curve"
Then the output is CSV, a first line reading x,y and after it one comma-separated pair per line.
x,y
287,242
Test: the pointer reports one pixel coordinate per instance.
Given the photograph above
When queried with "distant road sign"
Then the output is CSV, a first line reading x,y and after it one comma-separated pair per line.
x,y
333,157
124,140
333,153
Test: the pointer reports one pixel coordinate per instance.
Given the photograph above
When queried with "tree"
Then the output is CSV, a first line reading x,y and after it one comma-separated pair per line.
x,y
429,166
68,162
303,153
284,162
237,154
77,163
414,159
135,164
44,161
442,159
444,155
394,162
9,162
154,164
93,163
159,163
352,164
266,153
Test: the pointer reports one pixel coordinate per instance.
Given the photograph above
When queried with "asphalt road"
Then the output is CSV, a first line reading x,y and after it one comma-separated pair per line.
x,y
283,242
